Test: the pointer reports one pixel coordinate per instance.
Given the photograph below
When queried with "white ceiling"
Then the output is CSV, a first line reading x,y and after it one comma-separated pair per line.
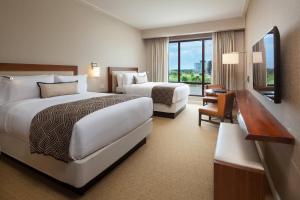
x,y
147,14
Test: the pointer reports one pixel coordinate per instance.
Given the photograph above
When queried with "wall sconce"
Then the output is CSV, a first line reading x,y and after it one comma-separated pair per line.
x,y
95,69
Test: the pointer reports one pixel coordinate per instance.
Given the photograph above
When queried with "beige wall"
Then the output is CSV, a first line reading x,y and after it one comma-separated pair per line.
x,y
67,32
283,160
203,27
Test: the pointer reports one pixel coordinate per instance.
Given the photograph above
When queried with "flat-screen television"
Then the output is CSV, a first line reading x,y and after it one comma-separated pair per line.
x,y
266,65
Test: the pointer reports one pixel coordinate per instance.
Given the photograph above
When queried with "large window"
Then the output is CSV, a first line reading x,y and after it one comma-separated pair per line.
x,y
191,62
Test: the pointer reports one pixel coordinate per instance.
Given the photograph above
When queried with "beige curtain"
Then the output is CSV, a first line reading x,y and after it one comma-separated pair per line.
x,y
157,59
223,42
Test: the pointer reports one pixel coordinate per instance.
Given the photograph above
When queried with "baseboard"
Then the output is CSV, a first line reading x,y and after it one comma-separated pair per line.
x,y
268,174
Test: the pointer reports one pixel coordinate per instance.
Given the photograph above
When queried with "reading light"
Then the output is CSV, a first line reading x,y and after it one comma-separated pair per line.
x,y
95,69
230,58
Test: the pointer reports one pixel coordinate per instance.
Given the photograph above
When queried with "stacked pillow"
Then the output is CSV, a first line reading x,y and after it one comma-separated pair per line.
x,y
82,81
141,78
14,88
22,87
129,78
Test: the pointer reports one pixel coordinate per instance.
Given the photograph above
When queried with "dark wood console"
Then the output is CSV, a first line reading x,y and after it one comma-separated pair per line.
x,y
259,122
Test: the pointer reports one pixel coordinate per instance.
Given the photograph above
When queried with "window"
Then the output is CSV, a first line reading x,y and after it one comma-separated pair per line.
x,y
191,62
173,62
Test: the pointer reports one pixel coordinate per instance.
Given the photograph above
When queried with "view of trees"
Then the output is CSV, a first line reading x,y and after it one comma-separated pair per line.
x,y
185,58
270,76
191,75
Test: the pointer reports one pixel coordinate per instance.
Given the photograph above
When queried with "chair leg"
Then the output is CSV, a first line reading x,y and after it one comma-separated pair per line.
x,y
209,117
231,118
222,119
200,118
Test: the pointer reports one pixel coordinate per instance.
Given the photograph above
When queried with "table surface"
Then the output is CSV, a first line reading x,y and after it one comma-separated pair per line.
x,y
215,91
259,122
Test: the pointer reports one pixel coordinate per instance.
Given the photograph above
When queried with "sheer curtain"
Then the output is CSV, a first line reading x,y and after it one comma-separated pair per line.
x,y
223,42
157,59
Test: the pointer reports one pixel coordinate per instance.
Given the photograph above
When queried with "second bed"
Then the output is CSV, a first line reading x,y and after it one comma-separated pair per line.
x,y
179,91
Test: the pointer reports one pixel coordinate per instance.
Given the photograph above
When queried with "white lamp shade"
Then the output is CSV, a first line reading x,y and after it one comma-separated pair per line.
x,y
230,58
257,57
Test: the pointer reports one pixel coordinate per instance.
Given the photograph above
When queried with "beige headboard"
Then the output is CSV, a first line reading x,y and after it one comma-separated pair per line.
x,y
36,69
111,78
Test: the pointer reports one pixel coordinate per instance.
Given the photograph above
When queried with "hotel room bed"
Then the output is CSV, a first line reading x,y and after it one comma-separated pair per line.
x,y
98,140
180,94
90,133
144,89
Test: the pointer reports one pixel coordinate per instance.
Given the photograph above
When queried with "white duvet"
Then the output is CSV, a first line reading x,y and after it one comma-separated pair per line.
x,y
145,89
90,133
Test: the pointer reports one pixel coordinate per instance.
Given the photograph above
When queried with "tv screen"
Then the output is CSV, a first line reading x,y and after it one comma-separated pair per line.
x,y
266,66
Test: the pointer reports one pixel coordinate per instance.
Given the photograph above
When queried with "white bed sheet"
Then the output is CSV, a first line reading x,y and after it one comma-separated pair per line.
x,y
145,89
91,133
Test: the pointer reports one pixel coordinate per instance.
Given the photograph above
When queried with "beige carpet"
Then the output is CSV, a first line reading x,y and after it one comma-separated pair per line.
x,y
176,163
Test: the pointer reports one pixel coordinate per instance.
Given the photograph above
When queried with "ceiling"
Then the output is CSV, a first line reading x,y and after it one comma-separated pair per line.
x,y
147,14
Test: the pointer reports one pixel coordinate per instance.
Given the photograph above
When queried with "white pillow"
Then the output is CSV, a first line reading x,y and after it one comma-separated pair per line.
x,y
128,78
120,79
82,81
4,94
22,87
141,78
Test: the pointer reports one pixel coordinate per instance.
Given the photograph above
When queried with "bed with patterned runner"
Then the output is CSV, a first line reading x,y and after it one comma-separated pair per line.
x,y
164,93
51,129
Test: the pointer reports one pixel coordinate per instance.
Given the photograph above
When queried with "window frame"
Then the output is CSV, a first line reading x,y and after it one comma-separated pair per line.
x,y
203,83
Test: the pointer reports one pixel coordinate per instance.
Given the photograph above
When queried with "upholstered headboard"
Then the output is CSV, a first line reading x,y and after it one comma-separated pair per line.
x,y
111,76
36,69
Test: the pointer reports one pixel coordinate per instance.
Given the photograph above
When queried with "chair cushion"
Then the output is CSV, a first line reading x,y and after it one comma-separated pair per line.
x,y
209,109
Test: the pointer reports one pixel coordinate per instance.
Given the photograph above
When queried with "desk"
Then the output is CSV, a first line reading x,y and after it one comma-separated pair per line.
x,y
258,122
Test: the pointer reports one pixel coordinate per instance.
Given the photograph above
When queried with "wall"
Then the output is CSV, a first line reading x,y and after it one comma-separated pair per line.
x,y
282,160
67,32
203,27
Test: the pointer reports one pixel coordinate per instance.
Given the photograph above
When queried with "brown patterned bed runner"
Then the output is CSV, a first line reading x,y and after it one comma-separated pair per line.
x,y
51,129
164,93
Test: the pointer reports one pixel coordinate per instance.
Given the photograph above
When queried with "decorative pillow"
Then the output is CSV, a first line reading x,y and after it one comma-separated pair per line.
x,y
82,81
141,78
128,78
23,87
57,89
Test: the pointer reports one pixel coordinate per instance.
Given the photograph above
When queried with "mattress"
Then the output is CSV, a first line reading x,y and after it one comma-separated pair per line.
x,y
90,133
145,89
